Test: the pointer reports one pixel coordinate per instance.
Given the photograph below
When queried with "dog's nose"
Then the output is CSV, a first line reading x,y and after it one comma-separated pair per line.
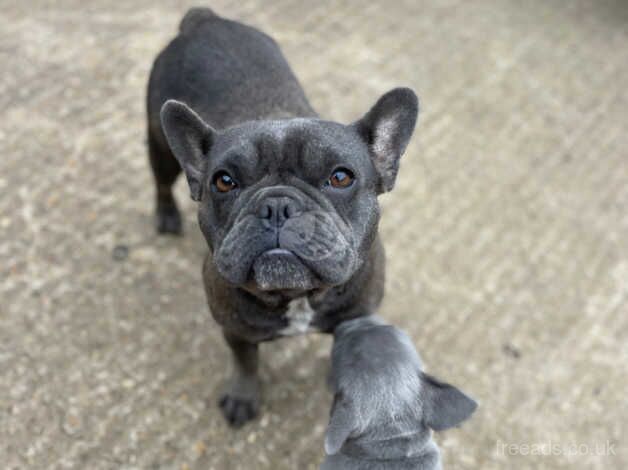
x,y
276,210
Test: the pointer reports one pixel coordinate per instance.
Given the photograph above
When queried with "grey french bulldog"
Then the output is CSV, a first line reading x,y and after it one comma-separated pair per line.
x,y
287,203
385,406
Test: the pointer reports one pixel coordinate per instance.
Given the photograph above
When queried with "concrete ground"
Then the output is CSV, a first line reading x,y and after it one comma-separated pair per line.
x,y
507,234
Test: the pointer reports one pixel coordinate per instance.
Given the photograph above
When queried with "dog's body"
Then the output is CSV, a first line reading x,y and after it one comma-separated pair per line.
x,y
287,201
252,82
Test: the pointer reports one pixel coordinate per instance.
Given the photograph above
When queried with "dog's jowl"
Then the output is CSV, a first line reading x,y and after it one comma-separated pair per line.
x,y
287,201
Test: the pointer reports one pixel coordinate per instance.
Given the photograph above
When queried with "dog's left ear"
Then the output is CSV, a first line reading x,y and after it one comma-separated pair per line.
x,y
190,139
387,129
343,421
444,406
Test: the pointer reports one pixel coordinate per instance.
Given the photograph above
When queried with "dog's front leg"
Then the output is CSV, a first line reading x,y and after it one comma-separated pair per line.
x,y
384,405
240,402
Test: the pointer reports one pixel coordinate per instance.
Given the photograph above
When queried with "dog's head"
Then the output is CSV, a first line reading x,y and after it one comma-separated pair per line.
x,y
291,204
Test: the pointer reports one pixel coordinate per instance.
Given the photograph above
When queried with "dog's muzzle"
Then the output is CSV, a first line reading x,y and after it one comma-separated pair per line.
x,y
284,241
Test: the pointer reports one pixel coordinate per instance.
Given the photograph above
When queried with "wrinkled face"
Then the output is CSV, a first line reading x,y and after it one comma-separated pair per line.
x,y
291,205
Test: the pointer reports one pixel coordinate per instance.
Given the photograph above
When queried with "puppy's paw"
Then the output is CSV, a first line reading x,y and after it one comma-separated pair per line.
x,y
237,410
168,220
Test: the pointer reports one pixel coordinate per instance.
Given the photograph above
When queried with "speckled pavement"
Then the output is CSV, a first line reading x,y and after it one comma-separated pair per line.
x,y
507,234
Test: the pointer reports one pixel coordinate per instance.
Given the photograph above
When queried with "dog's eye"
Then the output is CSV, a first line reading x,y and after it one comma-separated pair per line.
x,y
341,178
224,182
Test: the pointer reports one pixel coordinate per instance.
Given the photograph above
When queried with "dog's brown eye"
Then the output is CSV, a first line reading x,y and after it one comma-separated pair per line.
x,y
341,178
223,182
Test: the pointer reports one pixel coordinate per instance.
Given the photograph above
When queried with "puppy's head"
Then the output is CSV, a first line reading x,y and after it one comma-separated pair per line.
x,y
291,204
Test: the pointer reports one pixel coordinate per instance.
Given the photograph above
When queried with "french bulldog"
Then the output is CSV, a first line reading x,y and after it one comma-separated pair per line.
x,y
375,425
287,201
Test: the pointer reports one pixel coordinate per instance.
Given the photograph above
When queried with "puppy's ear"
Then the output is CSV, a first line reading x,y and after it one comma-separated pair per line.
x,y
190,139
444,406
387,129
342,423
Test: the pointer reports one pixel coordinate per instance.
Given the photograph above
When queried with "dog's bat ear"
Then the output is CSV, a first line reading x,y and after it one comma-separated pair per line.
x,y
190,139
342,423
444,406
387,129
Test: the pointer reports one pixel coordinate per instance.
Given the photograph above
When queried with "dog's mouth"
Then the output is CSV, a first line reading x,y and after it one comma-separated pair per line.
x,y
279,269
308,251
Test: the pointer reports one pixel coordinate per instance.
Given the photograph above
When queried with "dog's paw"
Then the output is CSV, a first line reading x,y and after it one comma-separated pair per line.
x,y
237,410
168,220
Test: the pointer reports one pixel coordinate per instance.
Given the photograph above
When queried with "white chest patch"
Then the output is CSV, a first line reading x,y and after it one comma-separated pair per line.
x,y
299,317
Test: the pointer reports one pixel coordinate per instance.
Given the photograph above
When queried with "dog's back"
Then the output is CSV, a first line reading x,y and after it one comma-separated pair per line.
x,y
227,71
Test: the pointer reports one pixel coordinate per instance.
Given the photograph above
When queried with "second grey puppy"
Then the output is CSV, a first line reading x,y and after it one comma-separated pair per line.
x,y
385,407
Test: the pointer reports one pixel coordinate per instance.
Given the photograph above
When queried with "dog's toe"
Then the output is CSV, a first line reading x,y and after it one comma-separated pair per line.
x,y
169,221
237,411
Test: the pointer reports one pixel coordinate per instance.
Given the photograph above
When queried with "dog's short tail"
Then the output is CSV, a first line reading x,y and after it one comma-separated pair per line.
x,y
194,18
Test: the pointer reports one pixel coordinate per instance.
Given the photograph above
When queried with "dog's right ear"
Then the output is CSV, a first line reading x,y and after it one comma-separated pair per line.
x,y
386,129
190,139
444,406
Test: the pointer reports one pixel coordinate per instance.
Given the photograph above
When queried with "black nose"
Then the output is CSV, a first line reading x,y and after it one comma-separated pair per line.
x,y
276,210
